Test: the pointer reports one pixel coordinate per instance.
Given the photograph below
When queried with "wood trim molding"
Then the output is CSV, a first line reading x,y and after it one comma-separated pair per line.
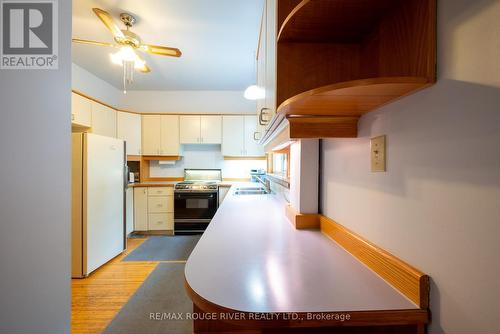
x,y
133,158
323,127
98,101
301,221
408,280
161,158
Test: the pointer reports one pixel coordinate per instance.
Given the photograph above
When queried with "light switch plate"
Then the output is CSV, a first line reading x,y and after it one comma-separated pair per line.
x,y
378,154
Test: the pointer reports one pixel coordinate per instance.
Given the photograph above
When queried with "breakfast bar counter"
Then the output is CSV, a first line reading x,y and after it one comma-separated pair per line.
x,y
251,259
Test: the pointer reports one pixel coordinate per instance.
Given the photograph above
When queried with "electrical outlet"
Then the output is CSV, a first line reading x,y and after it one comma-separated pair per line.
x,y
378,154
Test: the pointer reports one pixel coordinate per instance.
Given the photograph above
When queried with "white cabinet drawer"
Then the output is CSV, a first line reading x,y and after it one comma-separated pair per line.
x,y
160,191
161,221
161,204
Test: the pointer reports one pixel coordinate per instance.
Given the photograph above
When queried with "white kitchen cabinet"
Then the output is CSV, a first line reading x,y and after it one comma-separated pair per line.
x,y
140,209
103,120
211,129
81,111
238,137
161,221
129,210
169,138
200,129
252,147
160,135
128,128
233,136
151,134
154,209
266,66
189,129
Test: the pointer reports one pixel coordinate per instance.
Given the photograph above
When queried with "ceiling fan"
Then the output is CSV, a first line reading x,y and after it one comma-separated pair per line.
x,y
128,43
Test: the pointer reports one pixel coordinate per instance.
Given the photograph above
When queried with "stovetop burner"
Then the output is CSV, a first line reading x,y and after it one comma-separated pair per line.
x,y
200,180
197,186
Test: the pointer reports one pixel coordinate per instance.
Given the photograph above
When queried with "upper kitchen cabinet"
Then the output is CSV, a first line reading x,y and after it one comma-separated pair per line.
x,y
238,137
266,66
200,129
160,135
151,134
252,147
128,128
103,120
81,111
169,139
339,59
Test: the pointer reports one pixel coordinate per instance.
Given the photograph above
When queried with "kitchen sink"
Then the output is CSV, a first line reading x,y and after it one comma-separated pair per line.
x,y
251,191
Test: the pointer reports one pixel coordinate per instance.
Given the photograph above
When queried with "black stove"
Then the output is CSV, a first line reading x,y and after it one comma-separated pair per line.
x,y
196,200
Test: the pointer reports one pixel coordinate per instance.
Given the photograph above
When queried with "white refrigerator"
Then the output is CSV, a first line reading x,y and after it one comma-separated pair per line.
x,y
98,199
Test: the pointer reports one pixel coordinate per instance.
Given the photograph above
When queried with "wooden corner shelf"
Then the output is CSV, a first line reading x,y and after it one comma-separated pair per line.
x,y
344,58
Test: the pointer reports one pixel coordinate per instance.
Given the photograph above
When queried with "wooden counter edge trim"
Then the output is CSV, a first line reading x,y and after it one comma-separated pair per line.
x,y
161,157
406,279
357,318
301,221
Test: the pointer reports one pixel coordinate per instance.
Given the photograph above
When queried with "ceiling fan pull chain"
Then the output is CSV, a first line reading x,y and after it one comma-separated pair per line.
x,y
124,79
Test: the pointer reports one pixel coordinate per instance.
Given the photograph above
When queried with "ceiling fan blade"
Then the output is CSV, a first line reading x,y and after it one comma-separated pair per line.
x,y
146,68
109,23
161,50
86,41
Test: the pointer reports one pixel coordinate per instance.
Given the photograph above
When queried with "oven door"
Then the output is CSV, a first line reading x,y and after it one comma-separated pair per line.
x,y
195,206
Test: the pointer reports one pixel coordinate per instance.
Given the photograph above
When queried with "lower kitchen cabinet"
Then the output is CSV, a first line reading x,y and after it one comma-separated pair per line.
x,y
154,209
140,209
129,211
161,221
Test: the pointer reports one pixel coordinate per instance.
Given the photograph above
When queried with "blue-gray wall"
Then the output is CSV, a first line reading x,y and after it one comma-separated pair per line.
x,y
35,194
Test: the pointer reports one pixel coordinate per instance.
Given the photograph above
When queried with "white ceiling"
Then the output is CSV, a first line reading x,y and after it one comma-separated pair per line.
x,y
218,39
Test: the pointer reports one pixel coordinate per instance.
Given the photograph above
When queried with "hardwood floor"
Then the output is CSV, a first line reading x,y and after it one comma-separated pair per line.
x,y
98,298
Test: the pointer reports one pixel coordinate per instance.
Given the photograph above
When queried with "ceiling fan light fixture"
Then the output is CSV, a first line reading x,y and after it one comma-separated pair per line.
x,y
127,54
254,92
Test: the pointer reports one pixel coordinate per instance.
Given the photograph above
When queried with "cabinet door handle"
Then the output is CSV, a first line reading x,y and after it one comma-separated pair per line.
x,y
255,135
263,121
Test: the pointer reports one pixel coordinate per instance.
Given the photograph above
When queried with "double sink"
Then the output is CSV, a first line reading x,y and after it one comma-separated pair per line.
x,y
251,191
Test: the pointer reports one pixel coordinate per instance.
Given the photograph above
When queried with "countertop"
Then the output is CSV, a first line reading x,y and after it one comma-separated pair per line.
x,y
251,259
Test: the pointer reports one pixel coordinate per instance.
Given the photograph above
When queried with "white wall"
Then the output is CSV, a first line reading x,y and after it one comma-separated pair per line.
x,y
89,84
304,169
206,156
438,204
35,194
160,101
187,102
